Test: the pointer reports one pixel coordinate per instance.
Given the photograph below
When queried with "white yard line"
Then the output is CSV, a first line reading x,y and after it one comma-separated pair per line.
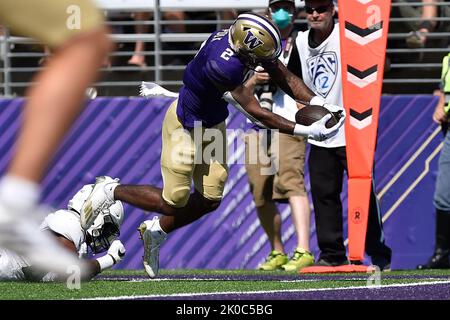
x,y
210,279
201,294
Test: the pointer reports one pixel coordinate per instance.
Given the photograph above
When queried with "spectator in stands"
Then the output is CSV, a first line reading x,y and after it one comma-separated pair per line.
x,y
288,154
177,16
429,12
327,159
46,56
138,58
177,27
214,20
2,43
81,43
440,257
227,15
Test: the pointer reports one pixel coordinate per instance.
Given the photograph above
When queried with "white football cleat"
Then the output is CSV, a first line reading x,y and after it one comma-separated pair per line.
x,y
97,201
21,234
153,237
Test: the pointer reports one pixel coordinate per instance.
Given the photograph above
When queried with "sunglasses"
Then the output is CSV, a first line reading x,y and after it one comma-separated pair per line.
x,y
319,9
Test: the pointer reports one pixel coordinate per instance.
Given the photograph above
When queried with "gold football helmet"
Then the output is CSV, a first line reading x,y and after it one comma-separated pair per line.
x,y
255,38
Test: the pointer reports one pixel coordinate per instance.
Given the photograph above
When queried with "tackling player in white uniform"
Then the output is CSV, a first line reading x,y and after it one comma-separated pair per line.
x,y
65,226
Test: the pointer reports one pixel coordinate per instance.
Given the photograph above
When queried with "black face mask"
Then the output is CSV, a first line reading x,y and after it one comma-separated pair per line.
x,y
252,64
101,239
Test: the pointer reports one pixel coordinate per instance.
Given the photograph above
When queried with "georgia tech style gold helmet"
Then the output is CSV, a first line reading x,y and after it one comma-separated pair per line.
x,y
255,38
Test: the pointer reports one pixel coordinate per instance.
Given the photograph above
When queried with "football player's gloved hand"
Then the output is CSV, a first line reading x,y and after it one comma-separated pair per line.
x,y
335,109
117,251
151,89
318,131
115,254
318,101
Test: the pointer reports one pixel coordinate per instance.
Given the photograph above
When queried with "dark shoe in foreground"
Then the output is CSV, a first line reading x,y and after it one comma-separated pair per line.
x,y
329,263
382,263
439,260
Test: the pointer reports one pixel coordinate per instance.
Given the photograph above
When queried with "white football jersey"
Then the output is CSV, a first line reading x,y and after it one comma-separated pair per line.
x,y
284,105
11,266
66,223
321,72
63,222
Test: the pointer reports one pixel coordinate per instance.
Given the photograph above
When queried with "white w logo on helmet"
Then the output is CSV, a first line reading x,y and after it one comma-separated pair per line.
x,y
251,41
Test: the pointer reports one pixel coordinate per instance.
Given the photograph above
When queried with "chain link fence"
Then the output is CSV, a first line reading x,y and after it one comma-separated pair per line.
x,y
155,39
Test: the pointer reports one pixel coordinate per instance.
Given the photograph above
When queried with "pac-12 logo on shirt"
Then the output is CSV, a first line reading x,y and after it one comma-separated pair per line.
x,y
251,41
323,70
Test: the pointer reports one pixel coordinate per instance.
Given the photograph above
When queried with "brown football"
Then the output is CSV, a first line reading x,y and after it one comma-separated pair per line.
x,y
310,114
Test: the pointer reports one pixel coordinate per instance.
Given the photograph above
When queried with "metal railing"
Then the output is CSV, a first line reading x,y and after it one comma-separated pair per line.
x,y
167,53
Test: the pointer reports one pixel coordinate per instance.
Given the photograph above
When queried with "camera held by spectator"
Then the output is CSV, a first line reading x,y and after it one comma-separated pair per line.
x,y
264,91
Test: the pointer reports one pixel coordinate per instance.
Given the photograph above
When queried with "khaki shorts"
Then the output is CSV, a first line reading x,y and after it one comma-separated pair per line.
x,y
49,21
183,162
283,177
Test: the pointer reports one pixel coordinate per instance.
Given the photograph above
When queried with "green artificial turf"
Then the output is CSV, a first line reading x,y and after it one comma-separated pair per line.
x,y
132,283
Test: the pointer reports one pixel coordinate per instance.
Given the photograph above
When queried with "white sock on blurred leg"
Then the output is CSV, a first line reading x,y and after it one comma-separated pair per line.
x,y
18,194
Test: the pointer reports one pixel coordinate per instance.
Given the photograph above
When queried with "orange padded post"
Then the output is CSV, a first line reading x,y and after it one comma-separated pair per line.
x,y
363,32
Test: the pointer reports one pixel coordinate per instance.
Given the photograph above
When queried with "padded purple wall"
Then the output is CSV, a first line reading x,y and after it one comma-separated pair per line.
x,y
120,137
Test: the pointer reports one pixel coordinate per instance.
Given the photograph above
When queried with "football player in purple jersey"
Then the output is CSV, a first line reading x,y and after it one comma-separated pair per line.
x,y
212,80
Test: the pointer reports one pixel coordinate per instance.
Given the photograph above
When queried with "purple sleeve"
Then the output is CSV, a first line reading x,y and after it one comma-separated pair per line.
x,y
226,75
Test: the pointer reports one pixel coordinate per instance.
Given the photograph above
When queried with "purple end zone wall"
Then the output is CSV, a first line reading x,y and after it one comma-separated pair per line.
x,y
120,137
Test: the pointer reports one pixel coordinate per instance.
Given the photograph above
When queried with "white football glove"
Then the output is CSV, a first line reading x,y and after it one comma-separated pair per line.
x,y
151,89
318,131
115,254
318,101
117,251
335,109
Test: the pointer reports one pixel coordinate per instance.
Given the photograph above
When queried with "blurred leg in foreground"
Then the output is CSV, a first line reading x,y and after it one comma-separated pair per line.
x,y
75,33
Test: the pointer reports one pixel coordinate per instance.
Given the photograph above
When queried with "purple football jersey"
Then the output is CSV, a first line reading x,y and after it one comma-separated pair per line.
x,y
214,70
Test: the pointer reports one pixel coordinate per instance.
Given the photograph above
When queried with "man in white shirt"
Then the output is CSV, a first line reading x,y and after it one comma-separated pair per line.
x,y
319,60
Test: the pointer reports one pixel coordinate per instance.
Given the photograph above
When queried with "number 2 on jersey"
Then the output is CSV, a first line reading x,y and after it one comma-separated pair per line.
x,y
227,54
